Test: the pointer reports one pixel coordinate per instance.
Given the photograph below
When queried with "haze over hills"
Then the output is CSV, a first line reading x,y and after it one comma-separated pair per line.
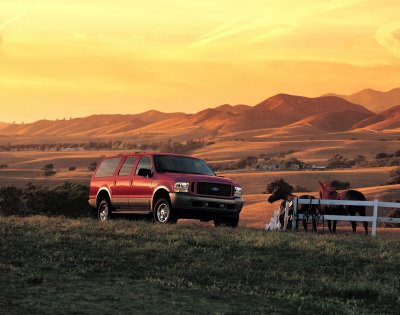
x,y
292,113
376,101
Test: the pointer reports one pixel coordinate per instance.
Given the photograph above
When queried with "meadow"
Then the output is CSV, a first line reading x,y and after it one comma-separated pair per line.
x,y
59,265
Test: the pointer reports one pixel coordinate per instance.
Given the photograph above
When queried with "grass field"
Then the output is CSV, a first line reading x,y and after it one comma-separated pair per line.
x,y
56,265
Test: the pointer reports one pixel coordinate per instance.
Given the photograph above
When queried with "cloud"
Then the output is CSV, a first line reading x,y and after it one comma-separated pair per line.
x,y
388,36
12,20
272,25
9,22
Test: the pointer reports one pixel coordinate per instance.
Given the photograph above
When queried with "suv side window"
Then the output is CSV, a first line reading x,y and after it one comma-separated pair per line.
x,y
107,167
127,167
145,162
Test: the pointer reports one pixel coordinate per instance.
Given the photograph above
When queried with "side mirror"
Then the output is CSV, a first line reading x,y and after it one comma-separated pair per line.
x,y
145,172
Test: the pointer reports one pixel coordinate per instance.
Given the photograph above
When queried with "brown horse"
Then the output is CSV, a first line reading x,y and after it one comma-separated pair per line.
x,y
327,192
280,194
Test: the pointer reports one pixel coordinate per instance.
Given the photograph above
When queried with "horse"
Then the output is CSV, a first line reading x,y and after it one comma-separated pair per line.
x,y
280,194
327,192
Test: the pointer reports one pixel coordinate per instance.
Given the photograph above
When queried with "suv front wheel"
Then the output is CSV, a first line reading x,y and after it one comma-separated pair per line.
x,y
163,212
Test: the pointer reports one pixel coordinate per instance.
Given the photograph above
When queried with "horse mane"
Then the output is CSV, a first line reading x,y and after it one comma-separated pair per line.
x,y
328,187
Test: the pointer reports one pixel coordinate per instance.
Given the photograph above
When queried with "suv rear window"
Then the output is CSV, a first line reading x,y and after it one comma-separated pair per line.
x,y
127,167
108,167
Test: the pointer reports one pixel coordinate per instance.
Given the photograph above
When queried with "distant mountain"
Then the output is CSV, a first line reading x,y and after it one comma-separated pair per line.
x,y
284,109
95,125
376,101
2,124
320,114
278,111
388,119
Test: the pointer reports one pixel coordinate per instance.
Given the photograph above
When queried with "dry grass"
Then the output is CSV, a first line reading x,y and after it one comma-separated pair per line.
x,y
256,182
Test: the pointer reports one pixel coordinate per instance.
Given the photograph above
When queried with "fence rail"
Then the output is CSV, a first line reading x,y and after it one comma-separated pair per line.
x,y
374,219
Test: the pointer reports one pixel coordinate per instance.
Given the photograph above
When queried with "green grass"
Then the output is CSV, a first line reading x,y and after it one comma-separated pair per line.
x,y
58,265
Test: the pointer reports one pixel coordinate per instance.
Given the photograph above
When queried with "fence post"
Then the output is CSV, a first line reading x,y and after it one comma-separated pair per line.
x,y
275,220
375,217
286,216
294,215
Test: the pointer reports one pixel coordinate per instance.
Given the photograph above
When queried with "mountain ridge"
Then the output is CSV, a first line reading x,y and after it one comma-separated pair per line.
x,y
323,114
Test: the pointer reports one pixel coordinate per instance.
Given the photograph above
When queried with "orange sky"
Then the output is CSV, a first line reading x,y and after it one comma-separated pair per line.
x,y
75,58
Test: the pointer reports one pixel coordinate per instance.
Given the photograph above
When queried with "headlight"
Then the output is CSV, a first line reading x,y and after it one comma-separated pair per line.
x,y
238,192
181,187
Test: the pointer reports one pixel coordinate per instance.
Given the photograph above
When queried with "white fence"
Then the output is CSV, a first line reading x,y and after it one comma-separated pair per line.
x,y
374,219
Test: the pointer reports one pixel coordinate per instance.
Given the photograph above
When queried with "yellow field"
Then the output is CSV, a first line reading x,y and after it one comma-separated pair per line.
x,y
256,182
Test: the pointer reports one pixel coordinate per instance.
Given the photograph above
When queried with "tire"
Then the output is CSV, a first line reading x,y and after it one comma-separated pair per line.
x,y
163,212
229,222
104,210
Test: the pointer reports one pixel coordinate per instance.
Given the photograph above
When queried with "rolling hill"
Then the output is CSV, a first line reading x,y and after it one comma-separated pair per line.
x,y
376,101
388,119
291,112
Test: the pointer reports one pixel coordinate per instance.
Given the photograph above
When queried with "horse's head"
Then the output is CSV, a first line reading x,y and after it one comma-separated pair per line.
x,y
325,190
278,194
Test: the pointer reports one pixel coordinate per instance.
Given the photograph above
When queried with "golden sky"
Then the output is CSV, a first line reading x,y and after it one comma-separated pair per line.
x,y
73,58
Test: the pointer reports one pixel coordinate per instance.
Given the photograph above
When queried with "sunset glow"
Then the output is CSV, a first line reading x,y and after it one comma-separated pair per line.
x,y
76,58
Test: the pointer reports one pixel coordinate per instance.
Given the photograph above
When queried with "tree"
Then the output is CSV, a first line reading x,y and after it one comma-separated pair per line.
x,y
247,161
339,185
281,183
48,170
381,155
48,167
336,161
92,166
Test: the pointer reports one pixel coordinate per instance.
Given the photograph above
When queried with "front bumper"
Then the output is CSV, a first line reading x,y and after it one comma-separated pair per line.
x,y
189,206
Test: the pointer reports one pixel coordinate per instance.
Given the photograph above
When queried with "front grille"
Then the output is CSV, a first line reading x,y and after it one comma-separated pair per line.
x,y
212,189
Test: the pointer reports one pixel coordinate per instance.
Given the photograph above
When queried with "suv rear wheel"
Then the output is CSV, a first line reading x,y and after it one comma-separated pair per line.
x,y
104,210
229,221
163,212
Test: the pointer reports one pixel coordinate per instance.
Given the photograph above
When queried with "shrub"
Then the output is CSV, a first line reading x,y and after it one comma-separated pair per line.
x,y
339,185
394,213
66,199
48,167
92,166
247,161
394,177
49,173
48,170
337,161
381,155
281,183
299,188
10,202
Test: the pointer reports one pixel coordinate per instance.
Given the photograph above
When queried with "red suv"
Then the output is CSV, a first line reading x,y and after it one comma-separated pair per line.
x,y
168,186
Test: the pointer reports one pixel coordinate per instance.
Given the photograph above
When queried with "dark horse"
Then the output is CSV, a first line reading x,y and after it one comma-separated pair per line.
x,y
280,194
327,192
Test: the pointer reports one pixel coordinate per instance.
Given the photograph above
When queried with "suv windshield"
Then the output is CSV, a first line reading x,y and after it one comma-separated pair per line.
x,y
181,164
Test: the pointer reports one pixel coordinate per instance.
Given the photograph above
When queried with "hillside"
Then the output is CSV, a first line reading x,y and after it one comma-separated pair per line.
x,y
376,101
388,119
293,113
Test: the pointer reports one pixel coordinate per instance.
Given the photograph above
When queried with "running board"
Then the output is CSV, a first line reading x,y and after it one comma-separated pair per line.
x,y
132,211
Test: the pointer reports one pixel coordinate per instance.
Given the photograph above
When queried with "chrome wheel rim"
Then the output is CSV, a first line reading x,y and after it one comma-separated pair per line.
x,y
163,212
103,214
